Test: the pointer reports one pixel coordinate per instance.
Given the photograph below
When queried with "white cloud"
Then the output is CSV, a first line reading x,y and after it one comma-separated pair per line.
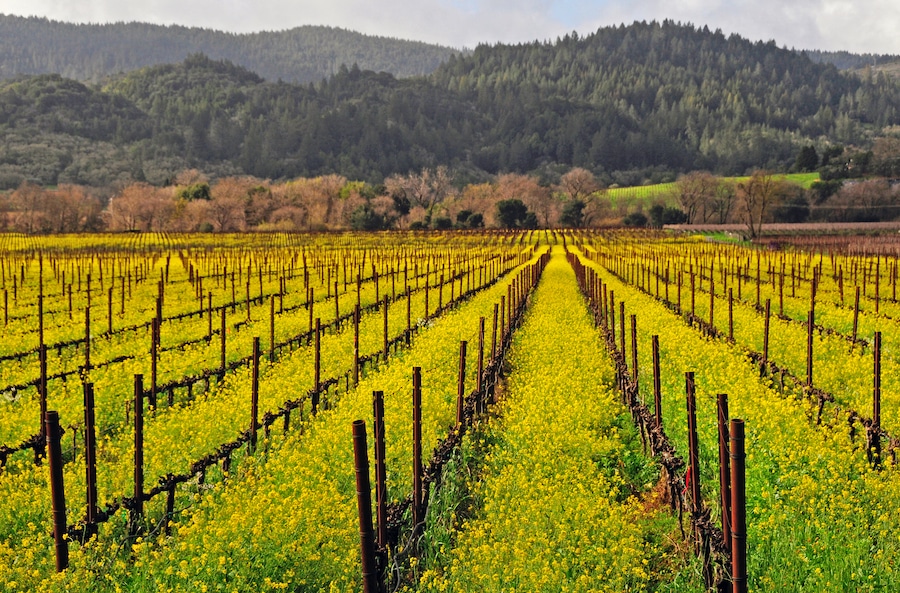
x,y
813,24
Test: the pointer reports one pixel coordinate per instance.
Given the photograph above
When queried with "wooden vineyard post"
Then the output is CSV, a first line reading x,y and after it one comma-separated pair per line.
x,y
248,299
877,284
137,510
87,338
724,468
109,311
692,295
384,347
693,446
42,388
222,344
370,577
712,303
766,327
461,387
479,386
209,316
738,509
841,283
679,292
502,323
418,495
622,328
875,445
508,315
310,303
272,328
408,315
856,315
356,345
894,282
811,321
154,360
781,292
731,314
494,332
380,469
90,458
317,386
634,358
254,396
657,382
604,308
57,489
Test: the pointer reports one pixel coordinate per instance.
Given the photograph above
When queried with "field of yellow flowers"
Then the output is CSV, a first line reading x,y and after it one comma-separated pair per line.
x,y
551,488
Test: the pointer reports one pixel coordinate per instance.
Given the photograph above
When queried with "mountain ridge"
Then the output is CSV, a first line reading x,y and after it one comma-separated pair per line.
x,y
93,52
633,103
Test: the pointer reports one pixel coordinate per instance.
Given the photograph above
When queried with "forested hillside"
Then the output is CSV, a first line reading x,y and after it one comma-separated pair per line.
x,y
651,95
850,61
92,52
636,103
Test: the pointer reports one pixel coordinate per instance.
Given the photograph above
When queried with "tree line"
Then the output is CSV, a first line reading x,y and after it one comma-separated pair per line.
x,y
434,198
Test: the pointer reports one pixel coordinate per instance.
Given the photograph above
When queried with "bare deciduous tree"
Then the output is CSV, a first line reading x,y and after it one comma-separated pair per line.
x,y
755,197
578,184
426,189
140,206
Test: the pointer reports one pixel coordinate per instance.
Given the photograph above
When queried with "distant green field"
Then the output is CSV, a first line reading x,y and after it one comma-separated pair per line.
x,y
646,195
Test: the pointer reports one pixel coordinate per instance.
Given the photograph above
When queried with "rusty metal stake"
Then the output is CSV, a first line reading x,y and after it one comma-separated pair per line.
x,y
657,382
479,386
222,343
90,458
461,387
272,328
418,494
731,314
380,470
724,468
811,322
494,332
765,359
371,578
738,509
57,489
634,352
875,451
693,445
254,396
356,346
385,333
317,370
137,510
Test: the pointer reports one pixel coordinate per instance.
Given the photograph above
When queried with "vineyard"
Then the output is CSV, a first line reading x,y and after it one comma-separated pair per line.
x,y
577,411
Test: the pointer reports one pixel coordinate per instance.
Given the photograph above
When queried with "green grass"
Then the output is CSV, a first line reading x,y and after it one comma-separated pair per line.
x,y
646,195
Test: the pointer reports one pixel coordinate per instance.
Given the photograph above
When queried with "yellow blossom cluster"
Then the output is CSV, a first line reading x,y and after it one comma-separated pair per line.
x,y
558,513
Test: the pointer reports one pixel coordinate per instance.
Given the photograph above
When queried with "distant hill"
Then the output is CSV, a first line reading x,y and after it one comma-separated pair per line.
x,y
90,52
634,104
850,61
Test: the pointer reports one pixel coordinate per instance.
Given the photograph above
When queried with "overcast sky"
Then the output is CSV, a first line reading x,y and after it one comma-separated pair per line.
x,y
872,26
